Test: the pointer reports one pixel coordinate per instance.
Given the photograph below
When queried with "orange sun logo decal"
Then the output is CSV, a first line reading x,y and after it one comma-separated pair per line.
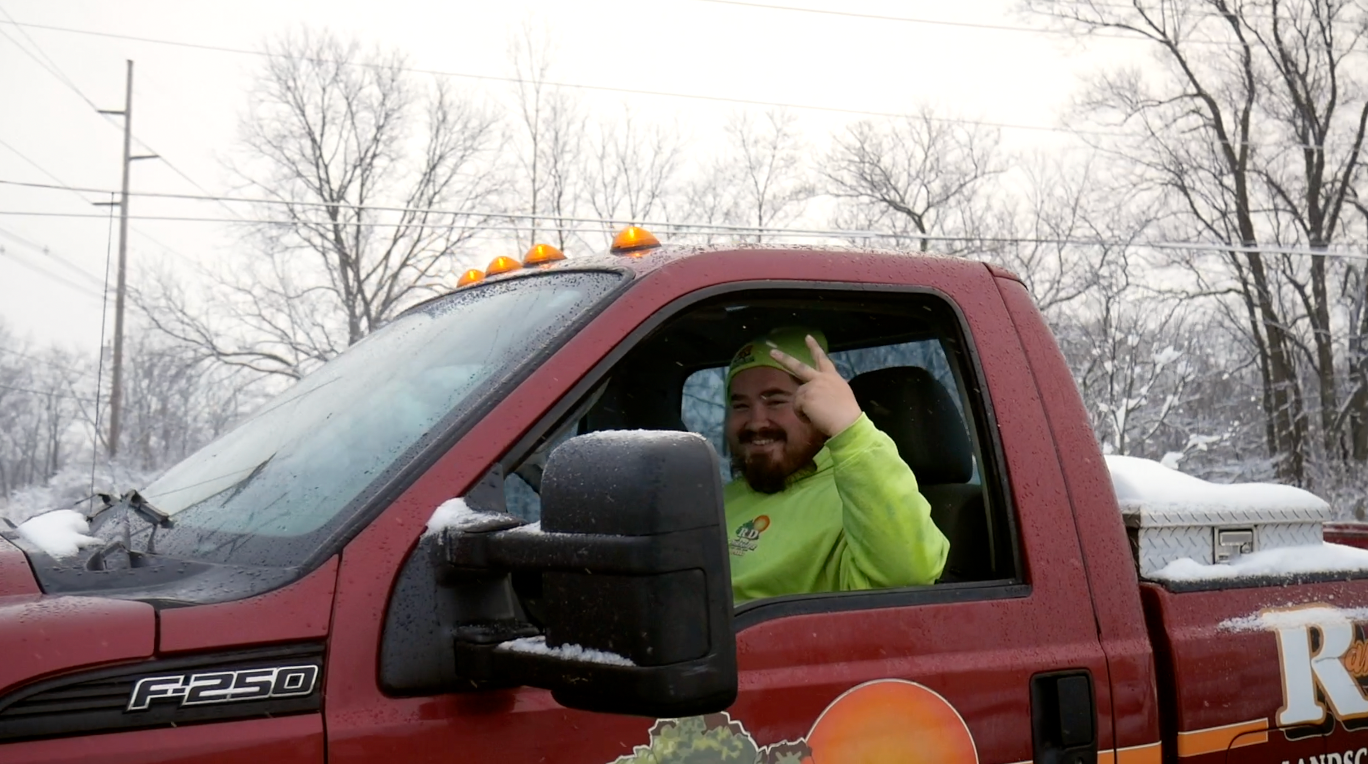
x,y
891,721
887,721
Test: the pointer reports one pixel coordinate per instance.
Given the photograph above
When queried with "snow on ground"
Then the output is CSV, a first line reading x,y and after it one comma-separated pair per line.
x,y
538,646
1142,482
1314,558
72,487
60,533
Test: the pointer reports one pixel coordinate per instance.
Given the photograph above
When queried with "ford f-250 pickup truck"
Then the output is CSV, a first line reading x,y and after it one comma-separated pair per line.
x,y
493,531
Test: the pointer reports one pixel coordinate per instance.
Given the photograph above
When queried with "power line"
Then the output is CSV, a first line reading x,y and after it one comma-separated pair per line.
x,y
907,20
619,222
47,251
549,220
40,168
553,222
46,61
1118,35
726,227
579,86
47,392
634,91
78,287
71,85
46,362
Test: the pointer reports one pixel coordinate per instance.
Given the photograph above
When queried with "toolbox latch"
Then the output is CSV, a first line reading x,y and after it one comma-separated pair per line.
x,y
1229,543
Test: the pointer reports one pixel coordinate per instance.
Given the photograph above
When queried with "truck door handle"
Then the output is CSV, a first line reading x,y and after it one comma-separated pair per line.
x,y
1064,717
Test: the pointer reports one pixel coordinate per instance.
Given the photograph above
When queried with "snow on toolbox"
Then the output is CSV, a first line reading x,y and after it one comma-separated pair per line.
x,y
1170,516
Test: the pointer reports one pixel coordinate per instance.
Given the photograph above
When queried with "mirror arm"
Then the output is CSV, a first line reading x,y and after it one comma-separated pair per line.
x,y
520,549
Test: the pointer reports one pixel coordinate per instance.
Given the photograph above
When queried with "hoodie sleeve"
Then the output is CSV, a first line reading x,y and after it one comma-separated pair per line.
x,y
890,539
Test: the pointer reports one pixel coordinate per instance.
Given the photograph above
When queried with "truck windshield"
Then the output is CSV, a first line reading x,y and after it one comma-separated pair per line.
x,y
271,491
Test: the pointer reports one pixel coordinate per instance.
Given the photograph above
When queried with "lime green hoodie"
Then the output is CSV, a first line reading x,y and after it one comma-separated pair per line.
x,y
853,519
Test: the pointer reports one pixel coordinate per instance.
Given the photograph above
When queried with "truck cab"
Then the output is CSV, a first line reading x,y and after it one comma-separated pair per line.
x,y
493,530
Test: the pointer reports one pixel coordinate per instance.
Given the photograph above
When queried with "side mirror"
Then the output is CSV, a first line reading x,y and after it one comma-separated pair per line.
x,y
635,588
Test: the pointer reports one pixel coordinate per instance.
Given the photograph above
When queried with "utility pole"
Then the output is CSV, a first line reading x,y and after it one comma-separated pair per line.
x,y
116,389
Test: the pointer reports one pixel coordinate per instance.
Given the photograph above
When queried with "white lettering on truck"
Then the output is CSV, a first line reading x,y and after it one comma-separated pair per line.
x,y
1348,757
1303,671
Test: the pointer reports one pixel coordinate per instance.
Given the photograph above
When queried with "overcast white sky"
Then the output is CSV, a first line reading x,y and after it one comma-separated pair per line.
x,y
187,99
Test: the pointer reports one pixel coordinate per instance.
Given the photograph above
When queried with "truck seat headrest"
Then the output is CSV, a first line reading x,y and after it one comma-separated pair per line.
x,y
921,417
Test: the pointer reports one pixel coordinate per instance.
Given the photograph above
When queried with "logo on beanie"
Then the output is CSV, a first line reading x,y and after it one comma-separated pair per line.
x,y
748,535
745,355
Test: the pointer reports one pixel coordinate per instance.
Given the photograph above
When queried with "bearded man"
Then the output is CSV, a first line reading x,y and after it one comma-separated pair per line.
x,y
820,499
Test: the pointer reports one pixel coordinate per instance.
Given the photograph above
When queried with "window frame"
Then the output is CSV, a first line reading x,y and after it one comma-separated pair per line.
x,y
982,420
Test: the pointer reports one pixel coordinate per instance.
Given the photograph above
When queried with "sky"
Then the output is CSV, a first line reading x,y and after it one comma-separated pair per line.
x,y
60,60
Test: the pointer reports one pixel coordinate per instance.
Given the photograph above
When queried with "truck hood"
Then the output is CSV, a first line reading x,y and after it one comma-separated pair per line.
x,y
42,635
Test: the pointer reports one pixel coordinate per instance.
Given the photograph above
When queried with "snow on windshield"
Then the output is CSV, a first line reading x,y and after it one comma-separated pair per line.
x,y
60,533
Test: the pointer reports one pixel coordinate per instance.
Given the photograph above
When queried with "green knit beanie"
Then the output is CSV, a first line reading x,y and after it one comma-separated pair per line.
x,y
789,339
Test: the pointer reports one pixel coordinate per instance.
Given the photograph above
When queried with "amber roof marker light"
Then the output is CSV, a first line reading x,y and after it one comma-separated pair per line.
x,y
502,264
542,254
634,241
472,276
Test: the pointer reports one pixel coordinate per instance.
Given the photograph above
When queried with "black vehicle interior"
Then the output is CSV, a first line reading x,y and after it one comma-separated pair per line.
x,y
906,361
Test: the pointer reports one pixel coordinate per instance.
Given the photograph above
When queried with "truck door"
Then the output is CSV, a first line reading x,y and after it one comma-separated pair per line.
x,y
999,662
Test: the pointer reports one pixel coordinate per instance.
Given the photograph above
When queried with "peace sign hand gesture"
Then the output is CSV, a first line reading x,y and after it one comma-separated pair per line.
x,y
823,398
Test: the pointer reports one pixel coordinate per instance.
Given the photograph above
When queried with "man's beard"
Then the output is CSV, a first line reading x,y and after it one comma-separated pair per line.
x,y
765,473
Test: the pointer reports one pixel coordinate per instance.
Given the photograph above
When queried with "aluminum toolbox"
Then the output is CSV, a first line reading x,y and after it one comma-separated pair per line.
x,y
1170,515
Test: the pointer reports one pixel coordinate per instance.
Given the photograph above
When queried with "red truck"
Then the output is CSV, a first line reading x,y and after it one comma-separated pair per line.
x,y
493,531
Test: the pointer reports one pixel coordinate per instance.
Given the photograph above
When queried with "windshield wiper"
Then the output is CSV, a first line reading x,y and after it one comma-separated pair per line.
x,y
134,501
116,553
144,508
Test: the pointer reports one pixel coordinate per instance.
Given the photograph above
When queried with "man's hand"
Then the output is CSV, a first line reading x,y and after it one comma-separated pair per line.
x,y
823,398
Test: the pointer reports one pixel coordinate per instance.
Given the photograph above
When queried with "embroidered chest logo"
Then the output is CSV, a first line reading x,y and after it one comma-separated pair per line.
x,y
748,535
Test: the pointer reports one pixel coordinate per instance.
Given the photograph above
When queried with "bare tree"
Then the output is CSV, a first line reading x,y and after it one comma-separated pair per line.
x,y
913,176
1129,349
633,170
709,198
764,163
178,401
40,389
550,140
1063,231
1355,293
372,179
1251,130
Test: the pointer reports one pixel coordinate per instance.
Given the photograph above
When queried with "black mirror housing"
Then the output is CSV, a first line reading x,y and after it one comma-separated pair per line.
x,y
635,580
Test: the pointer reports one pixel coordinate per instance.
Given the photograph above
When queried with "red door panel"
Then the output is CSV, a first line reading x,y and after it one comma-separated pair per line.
x,y
972,658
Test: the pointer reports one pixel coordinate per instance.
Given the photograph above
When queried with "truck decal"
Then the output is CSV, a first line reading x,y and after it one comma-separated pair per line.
x,y
886,720
1321,654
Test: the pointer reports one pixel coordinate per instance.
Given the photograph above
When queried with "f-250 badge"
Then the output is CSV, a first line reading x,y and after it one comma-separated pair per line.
x,y
205,688
889,720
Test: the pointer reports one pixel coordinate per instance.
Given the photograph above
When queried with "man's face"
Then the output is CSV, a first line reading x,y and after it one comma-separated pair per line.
x,y
768,439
